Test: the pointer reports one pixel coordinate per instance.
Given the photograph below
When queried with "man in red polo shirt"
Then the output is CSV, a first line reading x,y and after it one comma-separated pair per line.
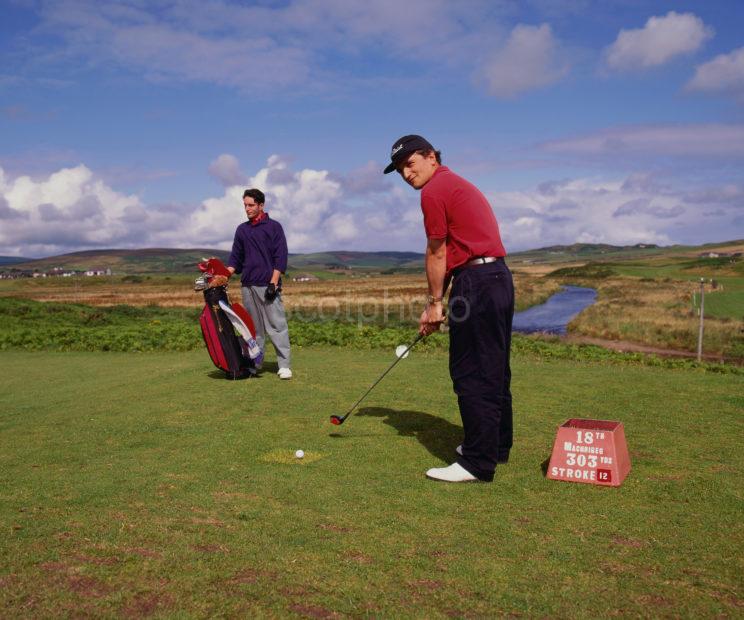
x,y
464,247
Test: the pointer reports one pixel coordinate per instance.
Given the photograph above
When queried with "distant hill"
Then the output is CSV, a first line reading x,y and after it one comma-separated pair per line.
x,y
357,260
172,260
150,260
586,251
604,252
13,260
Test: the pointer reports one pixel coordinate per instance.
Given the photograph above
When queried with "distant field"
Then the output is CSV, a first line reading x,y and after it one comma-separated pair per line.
x,y
379,297
724,301
648,302
652,302
137,485
727,304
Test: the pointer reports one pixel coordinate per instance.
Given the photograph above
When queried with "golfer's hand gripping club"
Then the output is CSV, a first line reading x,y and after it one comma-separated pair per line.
x,y
338,420
432,319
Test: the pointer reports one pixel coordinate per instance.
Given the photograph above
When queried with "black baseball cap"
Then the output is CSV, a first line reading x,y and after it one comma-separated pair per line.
x,y
404,147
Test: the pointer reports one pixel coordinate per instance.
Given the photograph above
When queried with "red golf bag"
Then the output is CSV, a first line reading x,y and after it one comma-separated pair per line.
x,y
228,330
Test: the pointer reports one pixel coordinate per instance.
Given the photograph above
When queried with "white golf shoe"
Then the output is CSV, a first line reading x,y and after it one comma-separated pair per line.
x,y
284,373
453,473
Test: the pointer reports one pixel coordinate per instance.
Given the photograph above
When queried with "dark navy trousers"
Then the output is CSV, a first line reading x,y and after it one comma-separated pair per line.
x,y
481,307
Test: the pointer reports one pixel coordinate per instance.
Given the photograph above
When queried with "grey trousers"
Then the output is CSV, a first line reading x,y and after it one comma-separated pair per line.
x,y
270,320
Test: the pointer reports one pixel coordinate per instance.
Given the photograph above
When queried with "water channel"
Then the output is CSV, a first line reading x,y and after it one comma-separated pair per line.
x,y
554,315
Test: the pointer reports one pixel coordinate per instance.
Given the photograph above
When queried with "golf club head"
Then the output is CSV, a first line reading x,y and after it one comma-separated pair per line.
x,y
337,420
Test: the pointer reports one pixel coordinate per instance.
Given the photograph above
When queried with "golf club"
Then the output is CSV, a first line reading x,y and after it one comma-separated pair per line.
x,y
340,419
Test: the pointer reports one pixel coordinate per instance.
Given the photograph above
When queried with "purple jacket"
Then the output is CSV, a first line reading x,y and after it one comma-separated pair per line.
x,y
257,251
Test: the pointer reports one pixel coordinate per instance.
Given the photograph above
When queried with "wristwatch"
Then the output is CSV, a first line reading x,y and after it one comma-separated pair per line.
x,y
433,300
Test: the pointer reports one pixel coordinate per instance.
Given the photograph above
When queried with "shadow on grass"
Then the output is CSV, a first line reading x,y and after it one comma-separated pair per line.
x,y
267,368
437,435
544,467
222,376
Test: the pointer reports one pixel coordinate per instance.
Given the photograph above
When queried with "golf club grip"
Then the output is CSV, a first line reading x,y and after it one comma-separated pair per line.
x,y
382,376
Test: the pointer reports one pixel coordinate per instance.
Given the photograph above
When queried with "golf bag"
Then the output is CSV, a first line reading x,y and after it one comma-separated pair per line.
x,y
228,332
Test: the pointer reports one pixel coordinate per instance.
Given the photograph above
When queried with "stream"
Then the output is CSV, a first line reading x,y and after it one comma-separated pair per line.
x,y
554,315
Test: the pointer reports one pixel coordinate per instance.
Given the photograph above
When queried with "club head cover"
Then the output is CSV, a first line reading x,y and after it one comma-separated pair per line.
x,y
218,281
214,267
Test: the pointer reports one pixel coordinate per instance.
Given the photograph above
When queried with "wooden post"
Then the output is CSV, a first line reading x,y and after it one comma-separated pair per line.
x,y
702,316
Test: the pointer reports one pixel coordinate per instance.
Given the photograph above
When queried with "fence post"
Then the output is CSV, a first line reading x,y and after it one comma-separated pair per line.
x,y
702,316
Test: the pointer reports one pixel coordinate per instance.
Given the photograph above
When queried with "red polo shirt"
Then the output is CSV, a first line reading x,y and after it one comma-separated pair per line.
x,y
456,210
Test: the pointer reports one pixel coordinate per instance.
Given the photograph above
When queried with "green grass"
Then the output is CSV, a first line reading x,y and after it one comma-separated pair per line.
x,y
138,484
727,302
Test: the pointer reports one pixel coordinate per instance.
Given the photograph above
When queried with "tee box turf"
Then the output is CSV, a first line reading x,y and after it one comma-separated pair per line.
x,y
590,451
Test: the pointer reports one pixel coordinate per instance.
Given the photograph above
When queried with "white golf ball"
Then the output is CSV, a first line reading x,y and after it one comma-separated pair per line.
x,y
299,454
400,351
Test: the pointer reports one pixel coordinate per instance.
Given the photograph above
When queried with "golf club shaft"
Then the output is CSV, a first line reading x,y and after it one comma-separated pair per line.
x,y
400,357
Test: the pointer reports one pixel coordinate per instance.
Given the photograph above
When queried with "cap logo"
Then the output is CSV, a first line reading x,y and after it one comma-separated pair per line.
x,y
395,150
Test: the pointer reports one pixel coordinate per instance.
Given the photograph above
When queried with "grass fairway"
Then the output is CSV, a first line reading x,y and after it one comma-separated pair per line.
x,y
144,484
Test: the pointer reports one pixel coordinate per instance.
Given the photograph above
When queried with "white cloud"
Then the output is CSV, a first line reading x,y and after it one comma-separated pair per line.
x,y
167,43
299,200
317,209
73,209
312,44
530,59
226,169
714,139
342,227
639,206
725,74
366,179
258,46
70,208
658,42
617,211
214,221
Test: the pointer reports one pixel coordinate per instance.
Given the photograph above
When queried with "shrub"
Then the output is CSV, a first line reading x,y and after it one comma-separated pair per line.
x,y
590,270
36,326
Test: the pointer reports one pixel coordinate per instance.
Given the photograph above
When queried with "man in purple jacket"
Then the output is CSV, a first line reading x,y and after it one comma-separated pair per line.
x,y
259,254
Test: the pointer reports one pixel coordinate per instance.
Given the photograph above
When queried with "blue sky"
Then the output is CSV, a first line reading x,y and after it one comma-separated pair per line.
x,y
138,123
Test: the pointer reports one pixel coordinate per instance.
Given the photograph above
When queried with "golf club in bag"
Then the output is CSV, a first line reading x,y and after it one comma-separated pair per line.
x,y
338,420
228,329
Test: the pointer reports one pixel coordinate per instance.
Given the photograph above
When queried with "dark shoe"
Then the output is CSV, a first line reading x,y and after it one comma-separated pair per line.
x,y
502,458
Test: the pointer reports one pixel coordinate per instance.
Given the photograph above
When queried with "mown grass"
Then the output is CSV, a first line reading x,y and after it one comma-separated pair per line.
x,y
144,485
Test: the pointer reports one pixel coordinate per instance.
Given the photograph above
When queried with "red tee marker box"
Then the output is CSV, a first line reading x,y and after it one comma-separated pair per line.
x,y
590,451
